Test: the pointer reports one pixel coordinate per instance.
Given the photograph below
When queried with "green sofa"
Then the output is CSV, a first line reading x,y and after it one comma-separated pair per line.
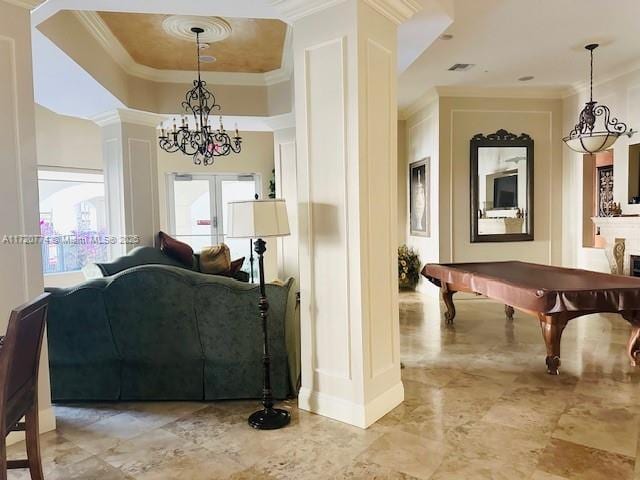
x,y
161,332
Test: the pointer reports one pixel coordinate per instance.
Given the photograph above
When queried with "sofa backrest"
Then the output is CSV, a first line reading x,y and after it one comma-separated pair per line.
x,y
136,257
152,317
78,323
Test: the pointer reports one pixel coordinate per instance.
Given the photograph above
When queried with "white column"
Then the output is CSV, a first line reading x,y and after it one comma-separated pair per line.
x,y
21,278
129,140
346,124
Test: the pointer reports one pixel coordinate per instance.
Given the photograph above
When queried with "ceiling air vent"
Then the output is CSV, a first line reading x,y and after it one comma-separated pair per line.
x,y
461,67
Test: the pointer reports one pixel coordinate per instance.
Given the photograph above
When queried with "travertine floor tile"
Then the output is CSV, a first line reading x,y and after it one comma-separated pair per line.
x,y
478,404
602,425
578,462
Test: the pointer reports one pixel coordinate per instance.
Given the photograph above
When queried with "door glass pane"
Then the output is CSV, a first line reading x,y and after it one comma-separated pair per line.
x,y
233,190
192,212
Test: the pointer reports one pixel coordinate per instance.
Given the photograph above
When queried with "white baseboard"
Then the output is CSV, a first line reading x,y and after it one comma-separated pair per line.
x,y
345,411
47,419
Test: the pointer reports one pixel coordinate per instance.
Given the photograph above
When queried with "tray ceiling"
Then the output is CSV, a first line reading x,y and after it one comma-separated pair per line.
x,y
254,46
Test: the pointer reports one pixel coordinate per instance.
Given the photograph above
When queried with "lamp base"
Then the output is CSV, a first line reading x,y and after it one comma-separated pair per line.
x,y
269,419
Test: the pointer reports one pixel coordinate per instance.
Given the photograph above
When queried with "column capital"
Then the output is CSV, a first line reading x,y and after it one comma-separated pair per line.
x,y
29,4
121,115
293,10
398,11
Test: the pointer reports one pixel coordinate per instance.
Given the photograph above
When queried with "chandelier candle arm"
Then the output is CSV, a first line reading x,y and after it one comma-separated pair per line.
x,y
202,143
584,138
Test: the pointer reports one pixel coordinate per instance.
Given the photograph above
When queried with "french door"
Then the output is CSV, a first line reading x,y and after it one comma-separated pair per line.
x,y
198,208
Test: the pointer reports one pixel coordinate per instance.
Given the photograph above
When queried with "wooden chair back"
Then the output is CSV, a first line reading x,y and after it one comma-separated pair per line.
x,y
20,359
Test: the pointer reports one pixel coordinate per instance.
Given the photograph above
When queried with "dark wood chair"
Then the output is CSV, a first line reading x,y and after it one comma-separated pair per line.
x,y
19,362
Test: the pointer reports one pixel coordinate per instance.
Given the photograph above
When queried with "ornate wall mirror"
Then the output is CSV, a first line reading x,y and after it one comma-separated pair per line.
x,y
501,187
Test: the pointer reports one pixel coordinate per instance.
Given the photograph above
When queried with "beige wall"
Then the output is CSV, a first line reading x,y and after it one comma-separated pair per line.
x,y
441,131
256,157
460,119
69,142
622,96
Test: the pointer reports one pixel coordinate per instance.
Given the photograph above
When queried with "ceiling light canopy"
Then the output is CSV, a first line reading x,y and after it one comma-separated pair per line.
x,y
585,138
203,143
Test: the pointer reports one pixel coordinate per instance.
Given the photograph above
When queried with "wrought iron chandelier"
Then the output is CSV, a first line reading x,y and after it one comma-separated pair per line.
x,y
203,143
584,138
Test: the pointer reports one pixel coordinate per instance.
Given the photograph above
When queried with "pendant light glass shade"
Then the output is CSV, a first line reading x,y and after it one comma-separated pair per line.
x,y
584,138
593,143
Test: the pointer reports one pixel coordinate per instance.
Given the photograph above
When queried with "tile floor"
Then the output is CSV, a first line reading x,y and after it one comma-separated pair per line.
x,y
478,405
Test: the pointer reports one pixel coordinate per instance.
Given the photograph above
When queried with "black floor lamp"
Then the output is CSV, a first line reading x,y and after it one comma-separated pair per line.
x,y
262,219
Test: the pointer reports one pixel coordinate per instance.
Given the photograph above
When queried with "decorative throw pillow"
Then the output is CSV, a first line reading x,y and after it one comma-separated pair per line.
x,y
176,249
235,267
215,260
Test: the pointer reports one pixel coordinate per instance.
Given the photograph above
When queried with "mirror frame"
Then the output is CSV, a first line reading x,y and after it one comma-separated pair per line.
x,y
501,138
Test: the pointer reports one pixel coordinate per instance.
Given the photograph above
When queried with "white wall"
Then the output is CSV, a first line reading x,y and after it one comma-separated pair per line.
x,y
622,96
257,157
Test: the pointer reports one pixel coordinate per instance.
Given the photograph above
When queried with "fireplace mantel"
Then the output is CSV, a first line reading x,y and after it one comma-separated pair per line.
x,y
622,237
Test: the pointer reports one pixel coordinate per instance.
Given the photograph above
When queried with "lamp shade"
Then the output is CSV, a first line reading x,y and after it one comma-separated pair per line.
x,y
258,219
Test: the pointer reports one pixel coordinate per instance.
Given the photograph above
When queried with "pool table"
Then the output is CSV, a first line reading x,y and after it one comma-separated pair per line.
x,y
554,295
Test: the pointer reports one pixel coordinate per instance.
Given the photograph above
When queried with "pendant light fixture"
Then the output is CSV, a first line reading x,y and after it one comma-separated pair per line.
x,y
199,140
585,138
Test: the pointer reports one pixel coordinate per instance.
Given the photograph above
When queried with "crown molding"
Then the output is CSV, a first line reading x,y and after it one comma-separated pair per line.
x,y
284,73
552,93
280,122
293,10
581,87
105,37
428,98
433,94
30,4
122,115
398,11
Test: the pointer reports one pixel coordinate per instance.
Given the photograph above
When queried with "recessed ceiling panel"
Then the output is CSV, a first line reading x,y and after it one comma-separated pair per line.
x,y
254,45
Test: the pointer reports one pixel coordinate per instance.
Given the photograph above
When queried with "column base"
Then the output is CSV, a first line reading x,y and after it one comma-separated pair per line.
x,y
47,419
355,414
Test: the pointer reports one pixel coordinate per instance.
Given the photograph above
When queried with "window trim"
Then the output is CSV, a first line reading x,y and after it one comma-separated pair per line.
x,y
76,170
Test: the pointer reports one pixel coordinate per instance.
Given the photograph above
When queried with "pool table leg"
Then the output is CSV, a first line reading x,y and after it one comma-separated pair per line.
x,y
447,298
552,327
633,348
509,311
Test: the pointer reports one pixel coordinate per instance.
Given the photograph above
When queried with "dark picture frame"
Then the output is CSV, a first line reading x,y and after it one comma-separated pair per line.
x,y
501,138
419,205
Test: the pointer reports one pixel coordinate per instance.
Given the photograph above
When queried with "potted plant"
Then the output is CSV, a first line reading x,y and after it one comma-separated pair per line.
x,y
408,268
